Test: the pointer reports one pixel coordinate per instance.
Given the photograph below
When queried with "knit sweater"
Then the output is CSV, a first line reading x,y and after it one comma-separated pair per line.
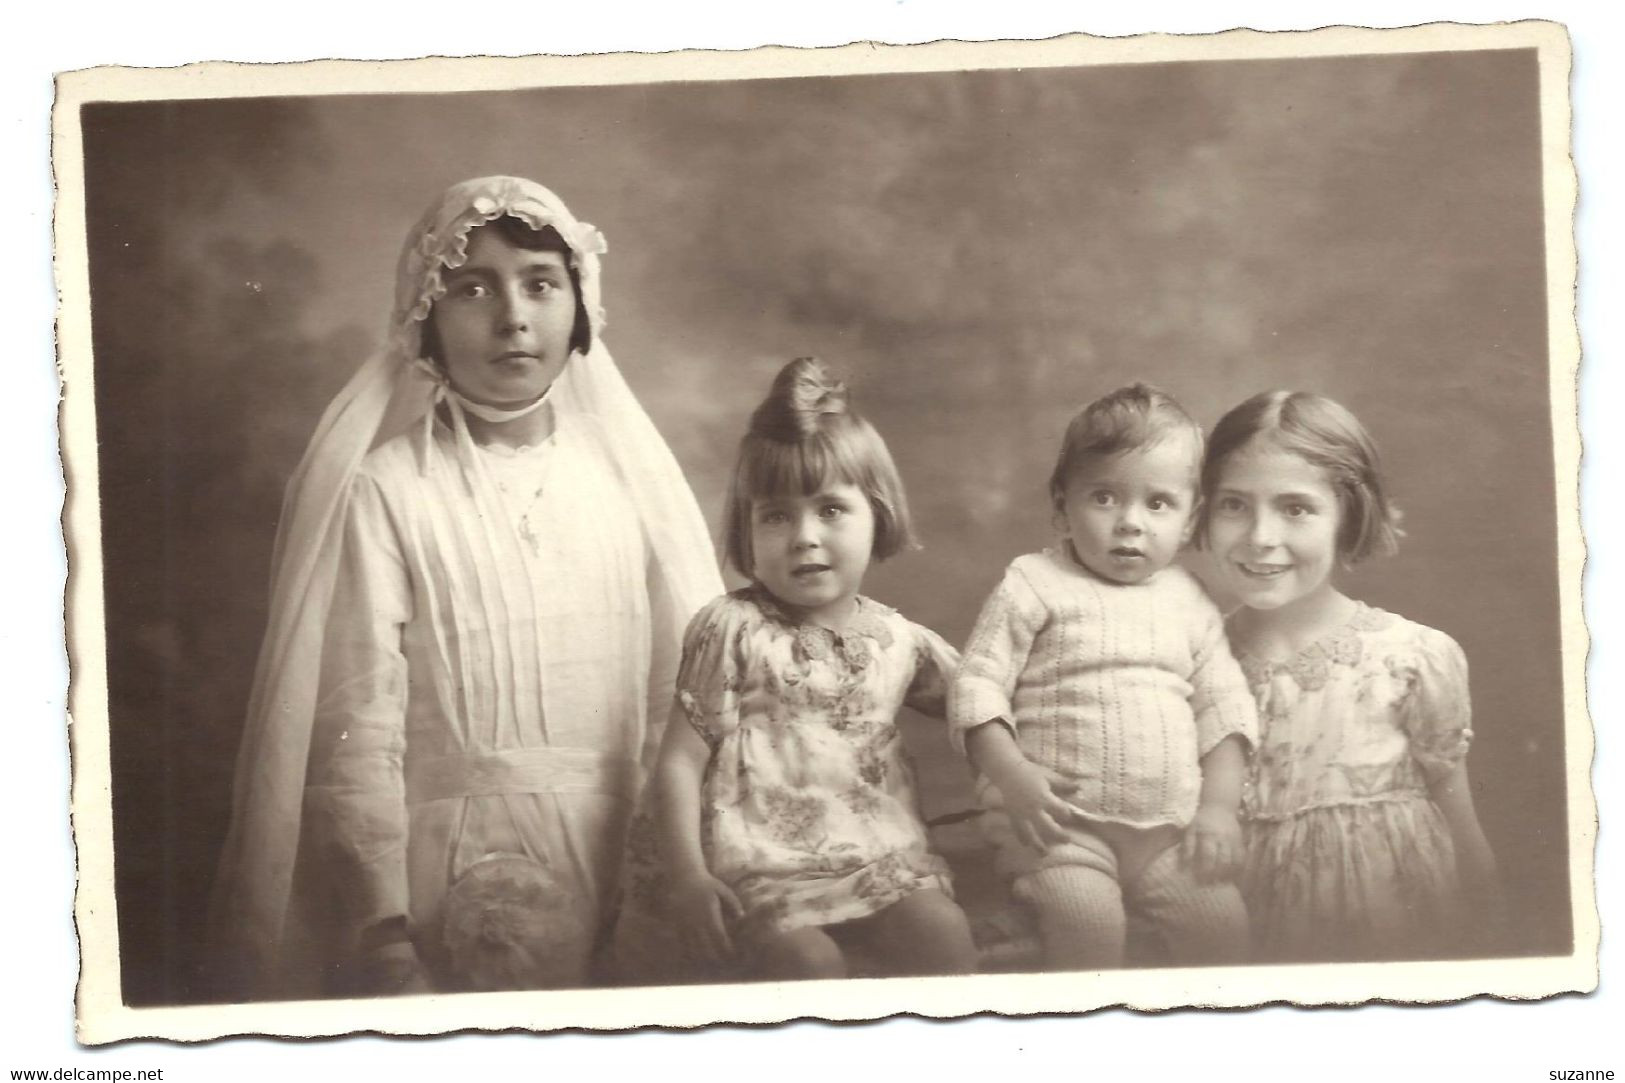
x,y
1117,689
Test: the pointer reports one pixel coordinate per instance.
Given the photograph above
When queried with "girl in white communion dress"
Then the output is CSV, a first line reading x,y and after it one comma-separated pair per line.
x,y
485,565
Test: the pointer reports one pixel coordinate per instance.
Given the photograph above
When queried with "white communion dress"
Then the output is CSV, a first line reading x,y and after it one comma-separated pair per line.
x,y
463,648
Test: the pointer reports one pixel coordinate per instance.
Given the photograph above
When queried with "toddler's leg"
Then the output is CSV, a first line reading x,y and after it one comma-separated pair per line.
x,y
922,933
1204,924
800,953
1080,916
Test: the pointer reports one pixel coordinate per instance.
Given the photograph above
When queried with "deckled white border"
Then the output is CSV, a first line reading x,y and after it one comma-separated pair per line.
x,y
104,1018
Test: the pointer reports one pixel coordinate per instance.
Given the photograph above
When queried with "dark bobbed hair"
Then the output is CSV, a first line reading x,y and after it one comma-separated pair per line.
x,y
521,234
804,436
1324,433
1128,419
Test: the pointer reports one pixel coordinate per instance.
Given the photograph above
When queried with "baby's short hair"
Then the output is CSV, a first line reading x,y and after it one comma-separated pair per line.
x,y
1128,419
1324,433
802,437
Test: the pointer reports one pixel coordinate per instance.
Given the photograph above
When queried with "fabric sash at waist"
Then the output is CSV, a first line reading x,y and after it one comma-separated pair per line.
x,y
494,772
1375,800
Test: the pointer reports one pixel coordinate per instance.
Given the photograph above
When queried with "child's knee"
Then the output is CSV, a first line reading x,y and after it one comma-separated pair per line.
x,y
1219,935
800,953
947,929
1080,916
926,932
1203,924
1062,889
934,913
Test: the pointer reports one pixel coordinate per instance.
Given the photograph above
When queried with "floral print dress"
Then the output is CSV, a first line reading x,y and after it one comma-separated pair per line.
x,y
1347,855
809,811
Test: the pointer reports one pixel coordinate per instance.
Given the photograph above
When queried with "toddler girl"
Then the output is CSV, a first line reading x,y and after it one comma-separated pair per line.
x,y
1099,699
784,799
1360,823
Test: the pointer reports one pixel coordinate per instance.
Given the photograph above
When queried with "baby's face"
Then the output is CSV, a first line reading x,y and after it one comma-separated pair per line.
x,y
1129,514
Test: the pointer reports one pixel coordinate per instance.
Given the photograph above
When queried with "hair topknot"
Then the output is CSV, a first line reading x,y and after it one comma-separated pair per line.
x,y
804,394
805,435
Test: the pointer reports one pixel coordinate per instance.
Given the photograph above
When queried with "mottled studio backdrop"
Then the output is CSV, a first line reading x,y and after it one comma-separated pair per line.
x,y
982,252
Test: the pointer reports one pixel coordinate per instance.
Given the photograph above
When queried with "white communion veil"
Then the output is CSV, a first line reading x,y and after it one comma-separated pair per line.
x,y
260,942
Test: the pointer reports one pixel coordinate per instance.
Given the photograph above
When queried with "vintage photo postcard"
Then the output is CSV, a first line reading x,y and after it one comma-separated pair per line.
x,y
658,540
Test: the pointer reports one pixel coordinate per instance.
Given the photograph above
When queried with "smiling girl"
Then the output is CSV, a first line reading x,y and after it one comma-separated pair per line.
x,y
784,798
1362,839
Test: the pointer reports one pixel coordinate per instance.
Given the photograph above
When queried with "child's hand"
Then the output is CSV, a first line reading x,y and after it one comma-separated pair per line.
x,y
704,906
1212,844
1037,814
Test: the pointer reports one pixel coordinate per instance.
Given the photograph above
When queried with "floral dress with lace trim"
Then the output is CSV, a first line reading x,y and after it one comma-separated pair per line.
x,y
808,809
1347,855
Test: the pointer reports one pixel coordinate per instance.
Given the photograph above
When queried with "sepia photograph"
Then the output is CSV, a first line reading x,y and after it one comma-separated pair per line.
x,y
662,540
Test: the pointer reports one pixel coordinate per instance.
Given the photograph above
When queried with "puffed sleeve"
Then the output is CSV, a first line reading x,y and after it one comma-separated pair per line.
x,y
1436,709
1220,698
994,657
935,663
355,792
712,671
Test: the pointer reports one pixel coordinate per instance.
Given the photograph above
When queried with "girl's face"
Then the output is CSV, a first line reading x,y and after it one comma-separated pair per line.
x,y
504,323
1272,527
810,551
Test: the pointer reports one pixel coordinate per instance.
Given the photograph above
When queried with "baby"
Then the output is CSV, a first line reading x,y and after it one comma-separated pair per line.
x,y
1100,702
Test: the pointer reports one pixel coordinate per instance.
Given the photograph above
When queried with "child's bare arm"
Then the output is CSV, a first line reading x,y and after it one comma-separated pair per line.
x,y
702,902
1212,842
1475,861
1036,813
1454,797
